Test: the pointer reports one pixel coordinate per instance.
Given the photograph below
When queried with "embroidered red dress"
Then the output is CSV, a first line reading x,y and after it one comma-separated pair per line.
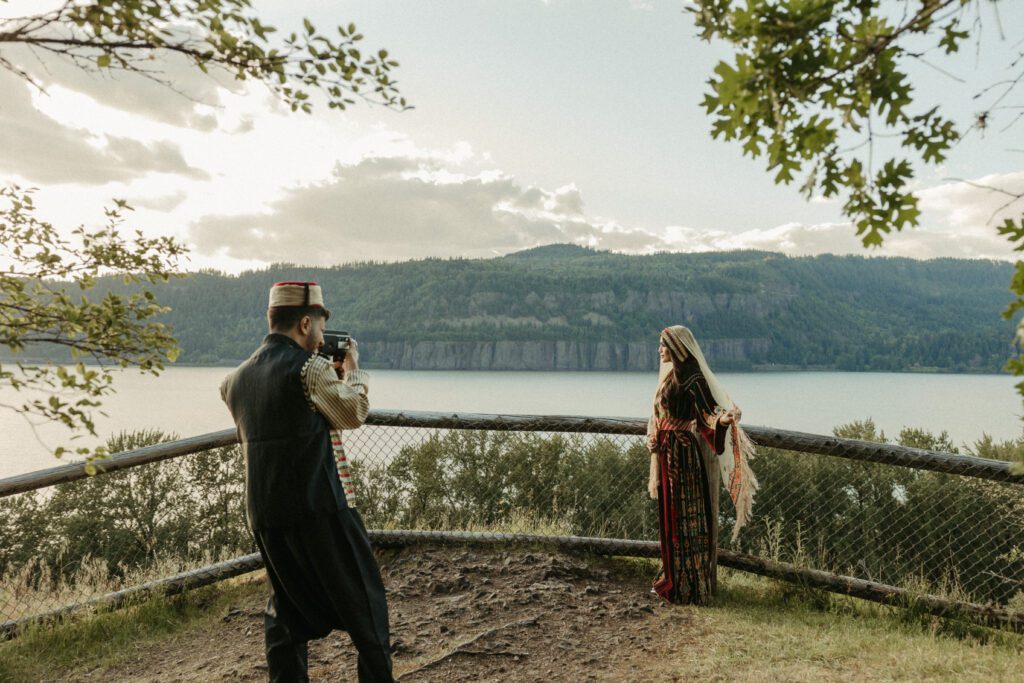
x,y
688,488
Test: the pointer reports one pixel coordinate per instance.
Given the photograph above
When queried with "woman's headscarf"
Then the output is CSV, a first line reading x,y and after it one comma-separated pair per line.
x,y
733,463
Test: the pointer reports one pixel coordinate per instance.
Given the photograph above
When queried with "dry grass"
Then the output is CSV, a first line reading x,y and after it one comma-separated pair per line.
x,y
765,631
33,588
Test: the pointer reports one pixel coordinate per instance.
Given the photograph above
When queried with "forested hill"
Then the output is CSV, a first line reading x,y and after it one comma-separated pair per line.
x,y
565,307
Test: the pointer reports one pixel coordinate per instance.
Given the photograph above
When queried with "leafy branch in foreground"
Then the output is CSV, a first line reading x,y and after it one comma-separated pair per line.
x,y
44,287
129,35
819,87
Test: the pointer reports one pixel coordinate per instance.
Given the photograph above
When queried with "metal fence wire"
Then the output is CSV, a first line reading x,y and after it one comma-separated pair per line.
x,y
935,523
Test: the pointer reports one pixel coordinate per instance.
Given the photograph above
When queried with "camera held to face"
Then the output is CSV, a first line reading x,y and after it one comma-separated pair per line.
x,y
336,345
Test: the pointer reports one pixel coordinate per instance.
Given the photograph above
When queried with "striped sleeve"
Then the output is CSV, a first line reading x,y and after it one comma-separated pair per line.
x,y
343,403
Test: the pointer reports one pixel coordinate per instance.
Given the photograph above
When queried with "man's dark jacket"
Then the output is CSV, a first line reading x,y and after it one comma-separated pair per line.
x,y
290,473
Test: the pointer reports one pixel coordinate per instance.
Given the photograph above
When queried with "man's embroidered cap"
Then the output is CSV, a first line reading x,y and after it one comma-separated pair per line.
x,y
297,294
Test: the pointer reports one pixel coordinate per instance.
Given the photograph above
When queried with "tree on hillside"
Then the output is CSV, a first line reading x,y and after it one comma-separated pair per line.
x,y
45,275
822,90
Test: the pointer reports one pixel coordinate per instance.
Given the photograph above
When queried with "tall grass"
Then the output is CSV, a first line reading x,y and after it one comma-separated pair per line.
x,y
36,588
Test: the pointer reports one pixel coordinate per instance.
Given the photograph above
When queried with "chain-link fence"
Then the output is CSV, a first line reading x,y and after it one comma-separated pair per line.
x,y
932,522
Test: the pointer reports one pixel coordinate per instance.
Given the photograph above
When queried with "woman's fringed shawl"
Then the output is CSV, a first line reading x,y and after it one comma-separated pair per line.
x,y
734,462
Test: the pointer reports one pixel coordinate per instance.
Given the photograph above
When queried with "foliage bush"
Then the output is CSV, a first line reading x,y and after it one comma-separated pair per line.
x,y
462,480
191,507
893,524
889,524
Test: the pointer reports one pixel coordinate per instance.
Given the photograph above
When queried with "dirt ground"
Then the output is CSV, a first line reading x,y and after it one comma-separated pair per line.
x,y
462,615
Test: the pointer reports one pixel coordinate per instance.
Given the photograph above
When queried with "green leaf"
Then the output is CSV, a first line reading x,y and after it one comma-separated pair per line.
x,y
1013,230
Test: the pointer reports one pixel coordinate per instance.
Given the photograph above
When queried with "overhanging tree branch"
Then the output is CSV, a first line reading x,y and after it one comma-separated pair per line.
x,y
807,76
126,34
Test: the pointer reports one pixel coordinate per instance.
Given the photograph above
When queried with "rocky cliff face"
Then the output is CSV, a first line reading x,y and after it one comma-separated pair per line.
x,y
686,307
490,308
547,355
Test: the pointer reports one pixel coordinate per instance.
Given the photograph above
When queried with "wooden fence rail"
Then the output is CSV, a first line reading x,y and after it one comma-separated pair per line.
x,y
889,454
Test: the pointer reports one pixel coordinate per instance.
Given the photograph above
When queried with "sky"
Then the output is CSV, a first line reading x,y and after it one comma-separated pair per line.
x,y
534,122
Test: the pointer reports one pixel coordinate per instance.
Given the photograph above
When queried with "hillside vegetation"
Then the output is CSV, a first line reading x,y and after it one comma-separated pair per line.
x,y
564,307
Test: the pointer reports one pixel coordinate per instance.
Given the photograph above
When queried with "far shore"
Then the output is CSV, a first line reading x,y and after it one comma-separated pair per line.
x,y
725,368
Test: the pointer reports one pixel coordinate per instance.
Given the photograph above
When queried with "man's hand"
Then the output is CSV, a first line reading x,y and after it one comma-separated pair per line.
x,y
351,361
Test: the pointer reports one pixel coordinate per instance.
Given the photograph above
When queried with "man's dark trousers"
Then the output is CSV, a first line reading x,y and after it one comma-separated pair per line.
x,y
323,575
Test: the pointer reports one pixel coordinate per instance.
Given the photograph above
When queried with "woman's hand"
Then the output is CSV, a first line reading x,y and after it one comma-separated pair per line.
x,y
653,480
731,416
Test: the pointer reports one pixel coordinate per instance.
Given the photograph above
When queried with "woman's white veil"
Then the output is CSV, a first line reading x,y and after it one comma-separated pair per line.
x,y
734,465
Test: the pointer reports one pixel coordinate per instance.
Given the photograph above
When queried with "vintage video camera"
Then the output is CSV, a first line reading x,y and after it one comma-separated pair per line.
x,y
336,345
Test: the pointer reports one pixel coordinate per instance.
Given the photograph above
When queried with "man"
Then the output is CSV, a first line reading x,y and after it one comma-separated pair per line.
x,y
286,399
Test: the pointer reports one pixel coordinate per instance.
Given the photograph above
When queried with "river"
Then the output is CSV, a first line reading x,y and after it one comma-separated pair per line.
x,y
185,400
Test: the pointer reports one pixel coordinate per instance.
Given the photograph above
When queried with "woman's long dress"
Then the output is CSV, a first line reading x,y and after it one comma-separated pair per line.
x,y
688,490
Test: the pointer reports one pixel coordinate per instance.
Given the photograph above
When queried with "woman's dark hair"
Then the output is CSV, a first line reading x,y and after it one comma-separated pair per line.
x,y
672,395
284,318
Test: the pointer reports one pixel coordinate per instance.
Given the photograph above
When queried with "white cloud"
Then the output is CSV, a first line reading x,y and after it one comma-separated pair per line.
x,y
41,149
415,203
382,208
976,204
163,204
958,220
426,203
169,89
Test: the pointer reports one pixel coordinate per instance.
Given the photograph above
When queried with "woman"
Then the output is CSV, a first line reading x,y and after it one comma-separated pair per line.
x,y
693,434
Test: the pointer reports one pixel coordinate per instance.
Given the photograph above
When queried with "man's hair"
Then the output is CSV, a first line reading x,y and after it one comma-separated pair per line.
x,y
284,318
